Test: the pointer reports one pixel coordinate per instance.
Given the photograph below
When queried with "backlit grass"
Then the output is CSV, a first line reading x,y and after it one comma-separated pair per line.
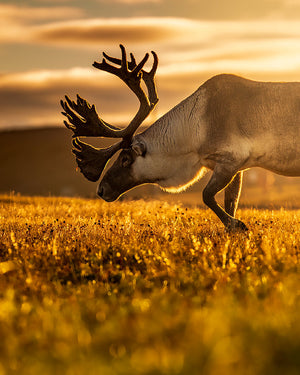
x,y
88,287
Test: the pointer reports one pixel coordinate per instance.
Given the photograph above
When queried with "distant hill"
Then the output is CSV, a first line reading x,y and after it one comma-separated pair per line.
x,y
40,162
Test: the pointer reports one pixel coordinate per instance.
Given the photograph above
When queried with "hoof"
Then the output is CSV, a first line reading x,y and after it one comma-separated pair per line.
x,y
236,225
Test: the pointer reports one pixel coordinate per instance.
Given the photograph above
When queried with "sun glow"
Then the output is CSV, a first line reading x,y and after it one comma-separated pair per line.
x,y
179,189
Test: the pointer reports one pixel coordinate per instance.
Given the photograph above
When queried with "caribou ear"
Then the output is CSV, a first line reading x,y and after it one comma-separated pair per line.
x,y
139,148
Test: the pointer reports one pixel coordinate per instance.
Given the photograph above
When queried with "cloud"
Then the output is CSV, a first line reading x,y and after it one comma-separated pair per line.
x,y
97,31
39,25
288,9
17,20
32,98
25,14
130,2
190,52
161,31
203,9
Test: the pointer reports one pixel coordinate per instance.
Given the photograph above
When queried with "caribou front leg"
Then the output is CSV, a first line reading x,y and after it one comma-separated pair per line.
x,y
220,178
232,194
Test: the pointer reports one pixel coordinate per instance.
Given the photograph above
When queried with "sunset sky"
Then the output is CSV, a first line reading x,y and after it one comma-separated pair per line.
x,y
47,48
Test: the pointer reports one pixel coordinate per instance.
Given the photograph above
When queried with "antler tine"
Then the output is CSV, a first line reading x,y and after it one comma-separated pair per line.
x,y
92,161
83,119
132,78
149,81
131,64
148,77
127,71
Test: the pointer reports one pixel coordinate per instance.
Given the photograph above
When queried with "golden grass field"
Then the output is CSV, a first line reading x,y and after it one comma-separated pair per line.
x,y
88,287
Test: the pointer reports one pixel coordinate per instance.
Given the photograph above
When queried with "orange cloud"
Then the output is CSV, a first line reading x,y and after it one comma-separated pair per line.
x,y
179,34
27,14
189,51
133,1
97,31
16,21
32,98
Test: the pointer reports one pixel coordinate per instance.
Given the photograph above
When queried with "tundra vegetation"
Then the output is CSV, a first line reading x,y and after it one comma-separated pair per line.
x,y
88,287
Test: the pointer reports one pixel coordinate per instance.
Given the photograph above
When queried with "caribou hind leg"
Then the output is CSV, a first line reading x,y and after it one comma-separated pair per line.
x,y
220,178
232,194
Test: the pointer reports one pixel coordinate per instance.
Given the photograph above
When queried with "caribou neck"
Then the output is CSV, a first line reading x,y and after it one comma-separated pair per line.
x,y
185,121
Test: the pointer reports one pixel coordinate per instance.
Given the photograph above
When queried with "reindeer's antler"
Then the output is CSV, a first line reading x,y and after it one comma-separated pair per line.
x,y
83,119
90,160
148,77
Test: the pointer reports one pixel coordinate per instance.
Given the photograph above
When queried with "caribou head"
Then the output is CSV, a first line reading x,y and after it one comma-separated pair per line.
x,y
83,120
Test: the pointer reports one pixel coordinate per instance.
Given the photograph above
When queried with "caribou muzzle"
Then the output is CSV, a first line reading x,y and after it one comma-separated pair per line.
x,y
105,192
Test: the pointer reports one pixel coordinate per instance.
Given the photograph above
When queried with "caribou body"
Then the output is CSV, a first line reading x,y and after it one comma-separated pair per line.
x,y
228,125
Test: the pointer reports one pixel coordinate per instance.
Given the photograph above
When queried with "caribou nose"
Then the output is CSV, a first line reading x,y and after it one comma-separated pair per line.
x,y
104,191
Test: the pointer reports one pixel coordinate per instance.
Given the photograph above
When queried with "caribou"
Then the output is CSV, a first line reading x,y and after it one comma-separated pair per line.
x,y
228,125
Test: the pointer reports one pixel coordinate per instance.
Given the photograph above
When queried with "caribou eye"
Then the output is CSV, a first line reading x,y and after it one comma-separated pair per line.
x,y
126,161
